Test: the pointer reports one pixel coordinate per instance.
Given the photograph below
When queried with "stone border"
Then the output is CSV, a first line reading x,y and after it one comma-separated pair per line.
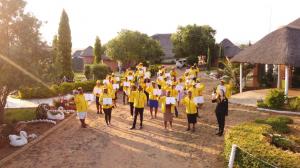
x,y
37,140
279,111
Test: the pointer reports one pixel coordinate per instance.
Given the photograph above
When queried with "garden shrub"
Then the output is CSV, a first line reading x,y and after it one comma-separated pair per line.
x,y
100,71
249,137
275,99
294,104
279,123
282,142
88,71
54,90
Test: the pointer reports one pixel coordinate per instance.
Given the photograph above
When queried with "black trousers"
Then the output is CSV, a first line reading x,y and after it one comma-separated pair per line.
x,y
124,97
138,111
221,121
107,113
131,108
147,95
176,112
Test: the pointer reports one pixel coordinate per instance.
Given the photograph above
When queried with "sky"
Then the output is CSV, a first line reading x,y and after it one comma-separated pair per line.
x,y
240,21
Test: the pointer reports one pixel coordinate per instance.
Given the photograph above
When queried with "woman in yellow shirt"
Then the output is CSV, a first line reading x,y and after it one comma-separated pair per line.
x,y
139,102
191,110
153,99
107,108
81,107
167,109
131,98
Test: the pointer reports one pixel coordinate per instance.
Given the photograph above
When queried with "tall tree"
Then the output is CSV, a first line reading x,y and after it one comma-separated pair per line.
x,y
54,48
208,58
192,40
131,47
63,61
22,53
97,51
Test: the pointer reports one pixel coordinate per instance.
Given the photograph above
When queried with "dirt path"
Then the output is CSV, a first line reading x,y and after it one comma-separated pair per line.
x,y
119,147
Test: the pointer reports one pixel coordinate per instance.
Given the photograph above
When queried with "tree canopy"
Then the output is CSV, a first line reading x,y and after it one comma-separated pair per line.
x,y
131,47
192,40
23,55
63,61
97,50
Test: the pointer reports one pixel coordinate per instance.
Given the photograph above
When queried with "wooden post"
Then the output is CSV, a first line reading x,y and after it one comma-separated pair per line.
x,y
286,88
278,77
241,77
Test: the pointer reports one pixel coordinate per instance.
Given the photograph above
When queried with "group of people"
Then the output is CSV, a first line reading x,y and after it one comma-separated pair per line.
x,y
166,90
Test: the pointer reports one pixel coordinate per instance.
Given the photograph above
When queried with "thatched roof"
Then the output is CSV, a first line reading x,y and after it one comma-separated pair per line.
x,y
229,48
281,46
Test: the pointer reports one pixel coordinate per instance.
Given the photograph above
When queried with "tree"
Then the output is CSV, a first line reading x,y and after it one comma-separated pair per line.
x,y
208,59
97,51
193,40
77,64
22,53
54,48
63,61
131,47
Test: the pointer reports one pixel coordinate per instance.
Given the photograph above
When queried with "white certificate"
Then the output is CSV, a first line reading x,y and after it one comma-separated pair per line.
x,y
107,101
144,69
160,78
199,100
117,78
179,87
148,84
105,81
168,75
130,77
198,85
115,86
147,74
126,84
97,90
157,92
170,100
169,82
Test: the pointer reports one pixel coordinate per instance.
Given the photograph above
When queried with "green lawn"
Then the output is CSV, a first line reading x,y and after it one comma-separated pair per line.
x,y
23,114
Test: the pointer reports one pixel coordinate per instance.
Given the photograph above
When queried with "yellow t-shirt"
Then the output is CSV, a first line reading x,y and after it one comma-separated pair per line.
x,y
140,99
81,103
105,95
151,95
162,100
190,106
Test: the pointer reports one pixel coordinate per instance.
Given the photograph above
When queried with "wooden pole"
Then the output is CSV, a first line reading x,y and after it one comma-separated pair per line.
x,y
286,88
241,77
278,77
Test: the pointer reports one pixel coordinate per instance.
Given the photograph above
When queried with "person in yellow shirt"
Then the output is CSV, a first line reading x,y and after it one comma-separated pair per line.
x,y
153,99
97,92
191,110
131,98
167,109
139,102
113,92
173,73
107,108
81,107
195,93
125,89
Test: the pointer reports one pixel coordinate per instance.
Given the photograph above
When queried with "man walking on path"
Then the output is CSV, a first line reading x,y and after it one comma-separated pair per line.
x,y
140,99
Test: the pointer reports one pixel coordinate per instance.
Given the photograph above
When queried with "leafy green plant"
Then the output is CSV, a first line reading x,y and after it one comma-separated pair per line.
x,y
279,123
275,98
294,104
153,69
88,71
282,142
249,137
100,71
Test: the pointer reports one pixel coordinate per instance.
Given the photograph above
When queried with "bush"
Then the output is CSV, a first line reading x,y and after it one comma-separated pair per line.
x,y
100,71
88,71
54,90
294,104
275,99
279,123
249,137
191,60
154,69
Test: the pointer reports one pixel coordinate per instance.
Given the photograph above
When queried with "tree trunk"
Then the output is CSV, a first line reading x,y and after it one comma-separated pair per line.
x,y
4,92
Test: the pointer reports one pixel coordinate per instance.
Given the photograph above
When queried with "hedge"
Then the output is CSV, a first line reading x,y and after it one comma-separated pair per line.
x,y
54,90
278,123
249,137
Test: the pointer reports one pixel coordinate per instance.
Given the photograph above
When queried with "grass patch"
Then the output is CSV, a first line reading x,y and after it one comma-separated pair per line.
x,y
278,123
21,114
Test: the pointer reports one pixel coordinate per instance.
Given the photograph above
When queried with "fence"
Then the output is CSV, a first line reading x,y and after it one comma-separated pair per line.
x,y
242,158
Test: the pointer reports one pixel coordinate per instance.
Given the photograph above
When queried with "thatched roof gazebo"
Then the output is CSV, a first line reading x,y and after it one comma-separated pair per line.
x,y
280,47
